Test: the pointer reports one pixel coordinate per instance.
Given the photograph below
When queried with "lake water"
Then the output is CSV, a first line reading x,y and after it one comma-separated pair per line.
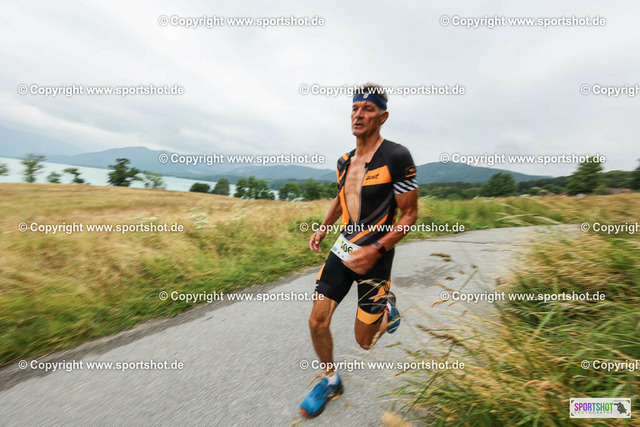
x,y
94,176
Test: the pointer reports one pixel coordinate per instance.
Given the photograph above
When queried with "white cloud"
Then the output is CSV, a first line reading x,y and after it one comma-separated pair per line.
x,y
241,84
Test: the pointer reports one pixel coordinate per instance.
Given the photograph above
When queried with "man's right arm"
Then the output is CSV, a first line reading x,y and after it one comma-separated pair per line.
x,y
335,211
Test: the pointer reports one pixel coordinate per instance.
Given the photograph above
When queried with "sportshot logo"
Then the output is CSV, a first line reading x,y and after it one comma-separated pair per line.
x,y
497,21
605,407
81,90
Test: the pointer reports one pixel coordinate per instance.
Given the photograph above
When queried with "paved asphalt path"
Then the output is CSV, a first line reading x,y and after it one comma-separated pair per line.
x,y
242,360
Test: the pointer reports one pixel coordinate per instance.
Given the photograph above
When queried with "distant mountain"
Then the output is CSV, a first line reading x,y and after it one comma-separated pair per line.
x,y
437,172
145,159
18,143
285,172
428,173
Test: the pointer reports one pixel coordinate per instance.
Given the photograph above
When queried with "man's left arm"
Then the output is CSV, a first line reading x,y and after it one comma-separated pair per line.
x,y
408,206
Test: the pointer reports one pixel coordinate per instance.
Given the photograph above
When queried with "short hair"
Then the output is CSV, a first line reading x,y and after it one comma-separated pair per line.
x,y
373,88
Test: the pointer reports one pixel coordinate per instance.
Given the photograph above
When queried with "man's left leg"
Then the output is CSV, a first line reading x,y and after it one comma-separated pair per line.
x,y
367,335
377,312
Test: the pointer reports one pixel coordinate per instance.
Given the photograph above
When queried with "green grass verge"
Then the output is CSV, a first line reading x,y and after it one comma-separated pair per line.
x,y
524,366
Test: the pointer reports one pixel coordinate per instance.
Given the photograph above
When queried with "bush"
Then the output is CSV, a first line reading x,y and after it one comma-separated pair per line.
x,y
200,187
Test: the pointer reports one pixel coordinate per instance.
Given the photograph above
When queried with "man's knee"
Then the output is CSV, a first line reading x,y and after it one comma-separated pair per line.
x,y
319,322
367,333
320,317
365,342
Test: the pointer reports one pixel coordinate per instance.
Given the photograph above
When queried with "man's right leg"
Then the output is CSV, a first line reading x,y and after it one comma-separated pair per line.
x,y
319,323
330,387
332,284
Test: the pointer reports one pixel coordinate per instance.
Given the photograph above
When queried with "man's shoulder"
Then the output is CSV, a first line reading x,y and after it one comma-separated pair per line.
x,y
343,159
393,150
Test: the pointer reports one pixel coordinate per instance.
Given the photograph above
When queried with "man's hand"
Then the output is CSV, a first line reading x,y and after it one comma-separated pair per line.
x,y
362,260
316,239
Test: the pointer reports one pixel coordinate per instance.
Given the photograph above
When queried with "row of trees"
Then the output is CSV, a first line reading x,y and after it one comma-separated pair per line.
x,y
587,179
33,165
122,175
54,177
310,189
222,187
252,188
249,188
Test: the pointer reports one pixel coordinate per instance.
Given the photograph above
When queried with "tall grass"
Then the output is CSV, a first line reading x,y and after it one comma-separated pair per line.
x,y
484,213
523,361
57,290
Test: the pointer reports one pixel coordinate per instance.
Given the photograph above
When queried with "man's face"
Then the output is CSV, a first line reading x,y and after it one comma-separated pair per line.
x,y
366,118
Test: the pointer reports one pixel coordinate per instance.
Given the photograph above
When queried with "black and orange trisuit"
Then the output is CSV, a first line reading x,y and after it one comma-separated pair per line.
x,y
391,171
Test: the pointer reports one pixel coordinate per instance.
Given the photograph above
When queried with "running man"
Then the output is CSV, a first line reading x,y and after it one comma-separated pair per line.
x,y
375,179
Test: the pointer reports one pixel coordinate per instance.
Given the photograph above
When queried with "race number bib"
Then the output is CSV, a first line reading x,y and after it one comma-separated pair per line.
x,y
343,248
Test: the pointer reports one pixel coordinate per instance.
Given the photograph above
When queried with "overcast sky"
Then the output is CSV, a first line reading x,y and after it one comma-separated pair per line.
x,y
242,83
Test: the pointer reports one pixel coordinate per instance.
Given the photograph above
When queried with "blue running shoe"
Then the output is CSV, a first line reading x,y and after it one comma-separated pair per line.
x,y
317,399
393,321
